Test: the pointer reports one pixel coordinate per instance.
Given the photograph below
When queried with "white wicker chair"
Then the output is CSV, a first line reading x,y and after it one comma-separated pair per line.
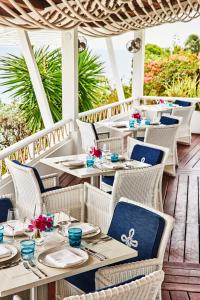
x,y
90,138
165,136
115,273
184,131
144,288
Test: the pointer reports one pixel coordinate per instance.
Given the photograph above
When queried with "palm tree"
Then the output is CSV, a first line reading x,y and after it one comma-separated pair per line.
x,y
193,43
16,79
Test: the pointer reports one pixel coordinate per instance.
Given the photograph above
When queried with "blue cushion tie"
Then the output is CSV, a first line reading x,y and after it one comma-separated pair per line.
x,y
183,103
168,121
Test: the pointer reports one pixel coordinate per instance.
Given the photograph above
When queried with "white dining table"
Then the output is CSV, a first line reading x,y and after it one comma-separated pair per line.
x,y
84,172
17,279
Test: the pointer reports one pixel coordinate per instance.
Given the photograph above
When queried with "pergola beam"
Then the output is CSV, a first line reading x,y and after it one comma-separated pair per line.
x,y
36,80
114,68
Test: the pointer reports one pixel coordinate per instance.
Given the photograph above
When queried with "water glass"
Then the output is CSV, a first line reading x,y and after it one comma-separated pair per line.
x,y
89,162
1,233
50,215
75,235
131,123
114,157
147,122
139,121
27,249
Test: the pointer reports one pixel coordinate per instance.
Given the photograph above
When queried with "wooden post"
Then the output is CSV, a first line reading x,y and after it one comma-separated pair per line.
x,y
35,78
70,74
138,67
113,62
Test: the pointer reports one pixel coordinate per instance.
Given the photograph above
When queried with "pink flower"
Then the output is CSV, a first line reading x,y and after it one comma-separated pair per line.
x,y
162,101
137,116
42,222
95,152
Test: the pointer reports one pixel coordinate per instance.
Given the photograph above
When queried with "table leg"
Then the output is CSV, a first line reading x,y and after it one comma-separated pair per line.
x,y
95,181
52,291
33,293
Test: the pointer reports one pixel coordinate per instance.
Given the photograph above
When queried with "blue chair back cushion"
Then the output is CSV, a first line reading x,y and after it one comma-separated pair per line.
x,y
152,156
5,205
42,189
168,121
182,103
138,228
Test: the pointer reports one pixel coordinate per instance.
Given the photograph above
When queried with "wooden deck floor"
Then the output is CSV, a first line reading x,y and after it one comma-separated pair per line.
x,y
182,200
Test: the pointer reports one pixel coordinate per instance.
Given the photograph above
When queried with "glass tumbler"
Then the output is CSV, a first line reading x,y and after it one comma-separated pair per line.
x,y
74,235
1,233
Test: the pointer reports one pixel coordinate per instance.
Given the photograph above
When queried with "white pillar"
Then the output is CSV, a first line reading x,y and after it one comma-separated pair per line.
x,y
138,67
70,74
113,62
35,78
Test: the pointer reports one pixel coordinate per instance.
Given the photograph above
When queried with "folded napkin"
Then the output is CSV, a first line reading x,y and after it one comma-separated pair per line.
x,y
63,258
4,251
86,228
19,229
113,166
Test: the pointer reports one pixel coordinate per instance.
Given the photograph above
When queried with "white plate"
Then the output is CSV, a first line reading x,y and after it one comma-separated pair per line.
x,y
13,254
19,233
73,163
86,236
79,252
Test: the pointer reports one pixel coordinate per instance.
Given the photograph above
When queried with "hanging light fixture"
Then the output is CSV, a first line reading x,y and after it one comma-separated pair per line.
x,y
134,46
82,43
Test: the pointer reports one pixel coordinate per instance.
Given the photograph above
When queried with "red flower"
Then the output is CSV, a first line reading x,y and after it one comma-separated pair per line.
x,y
41,223
95,152
162,101
137,116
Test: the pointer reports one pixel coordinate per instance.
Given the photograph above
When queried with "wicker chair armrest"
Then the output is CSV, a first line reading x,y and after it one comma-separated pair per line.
x,y
50,180
66,199
103,135
116,274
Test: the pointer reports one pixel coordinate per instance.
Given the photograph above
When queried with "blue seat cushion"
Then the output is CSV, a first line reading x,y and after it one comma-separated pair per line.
x,y
182,103
84,281
168,121
39,180
5,205
138,228
108,180
121,283
152,156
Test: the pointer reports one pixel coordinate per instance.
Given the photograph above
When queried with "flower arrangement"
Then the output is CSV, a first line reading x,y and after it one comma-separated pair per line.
x,y
137,116
162,101
95,152
41,223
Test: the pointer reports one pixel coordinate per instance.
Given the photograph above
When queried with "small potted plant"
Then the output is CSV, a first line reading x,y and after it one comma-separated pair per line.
x,y
38,225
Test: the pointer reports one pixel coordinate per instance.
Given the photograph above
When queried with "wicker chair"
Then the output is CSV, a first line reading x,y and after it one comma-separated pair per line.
x,y
151,244
90,138
165,136
184,132
144,288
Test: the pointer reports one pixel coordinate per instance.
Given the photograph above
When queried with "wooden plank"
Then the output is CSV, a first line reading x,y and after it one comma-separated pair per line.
x,y
194,296
170,200
181,200
192,243
181,287
176,252
182,279
176,295
166,295
182,272
192,211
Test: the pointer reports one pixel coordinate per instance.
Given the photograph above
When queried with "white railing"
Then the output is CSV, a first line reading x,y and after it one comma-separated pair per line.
x,y
107,111
146,98
36,144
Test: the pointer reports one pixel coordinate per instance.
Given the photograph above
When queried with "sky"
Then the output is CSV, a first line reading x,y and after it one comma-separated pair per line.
x,y
164,35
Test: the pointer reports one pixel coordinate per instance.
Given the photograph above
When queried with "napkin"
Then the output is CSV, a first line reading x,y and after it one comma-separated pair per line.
x,y
115,166
19,229
63,258
86,228
4,251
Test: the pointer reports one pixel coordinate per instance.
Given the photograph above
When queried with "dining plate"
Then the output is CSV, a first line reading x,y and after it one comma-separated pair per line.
x,y
14,252
73,163
86,236
19,231
42,256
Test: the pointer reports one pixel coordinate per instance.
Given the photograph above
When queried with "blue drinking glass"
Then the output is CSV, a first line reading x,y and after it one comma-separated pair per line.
x,y
1,233
89,162
131,123
147,122
75,235
114,157
50,215
27,253
27,244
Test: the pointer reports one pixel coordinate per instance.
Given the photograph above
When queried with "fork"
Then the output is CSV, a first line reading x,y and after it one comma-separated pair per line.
x,y
33,265
27,267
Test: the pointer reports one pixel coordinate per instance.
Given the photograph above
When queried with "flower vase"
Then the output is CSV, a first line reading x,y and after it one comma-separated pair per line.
x,y
39,239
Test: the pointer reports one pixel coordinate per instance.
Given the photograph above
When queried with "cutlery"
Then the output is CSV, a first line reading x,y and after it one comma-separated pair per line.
x,y
10,265
101,240
94,253
33,265
27,267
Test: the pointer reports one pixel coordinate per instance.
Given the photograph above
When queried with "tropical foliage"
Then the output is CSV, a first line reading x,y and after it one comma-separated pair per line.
x,y
17,81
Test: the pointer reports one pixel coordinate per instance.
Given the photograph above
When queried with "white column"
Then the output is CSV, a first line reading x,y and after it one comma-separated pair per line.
x,y
138,67
70,74
36,80
113,62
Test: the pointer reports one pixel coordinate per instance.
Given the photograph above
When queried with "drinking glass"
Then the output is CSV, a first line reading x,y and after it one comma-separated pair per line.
x,y
27,253
50,215
26,230
114,157
12,217
75,235
131,123
1,233
89,162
